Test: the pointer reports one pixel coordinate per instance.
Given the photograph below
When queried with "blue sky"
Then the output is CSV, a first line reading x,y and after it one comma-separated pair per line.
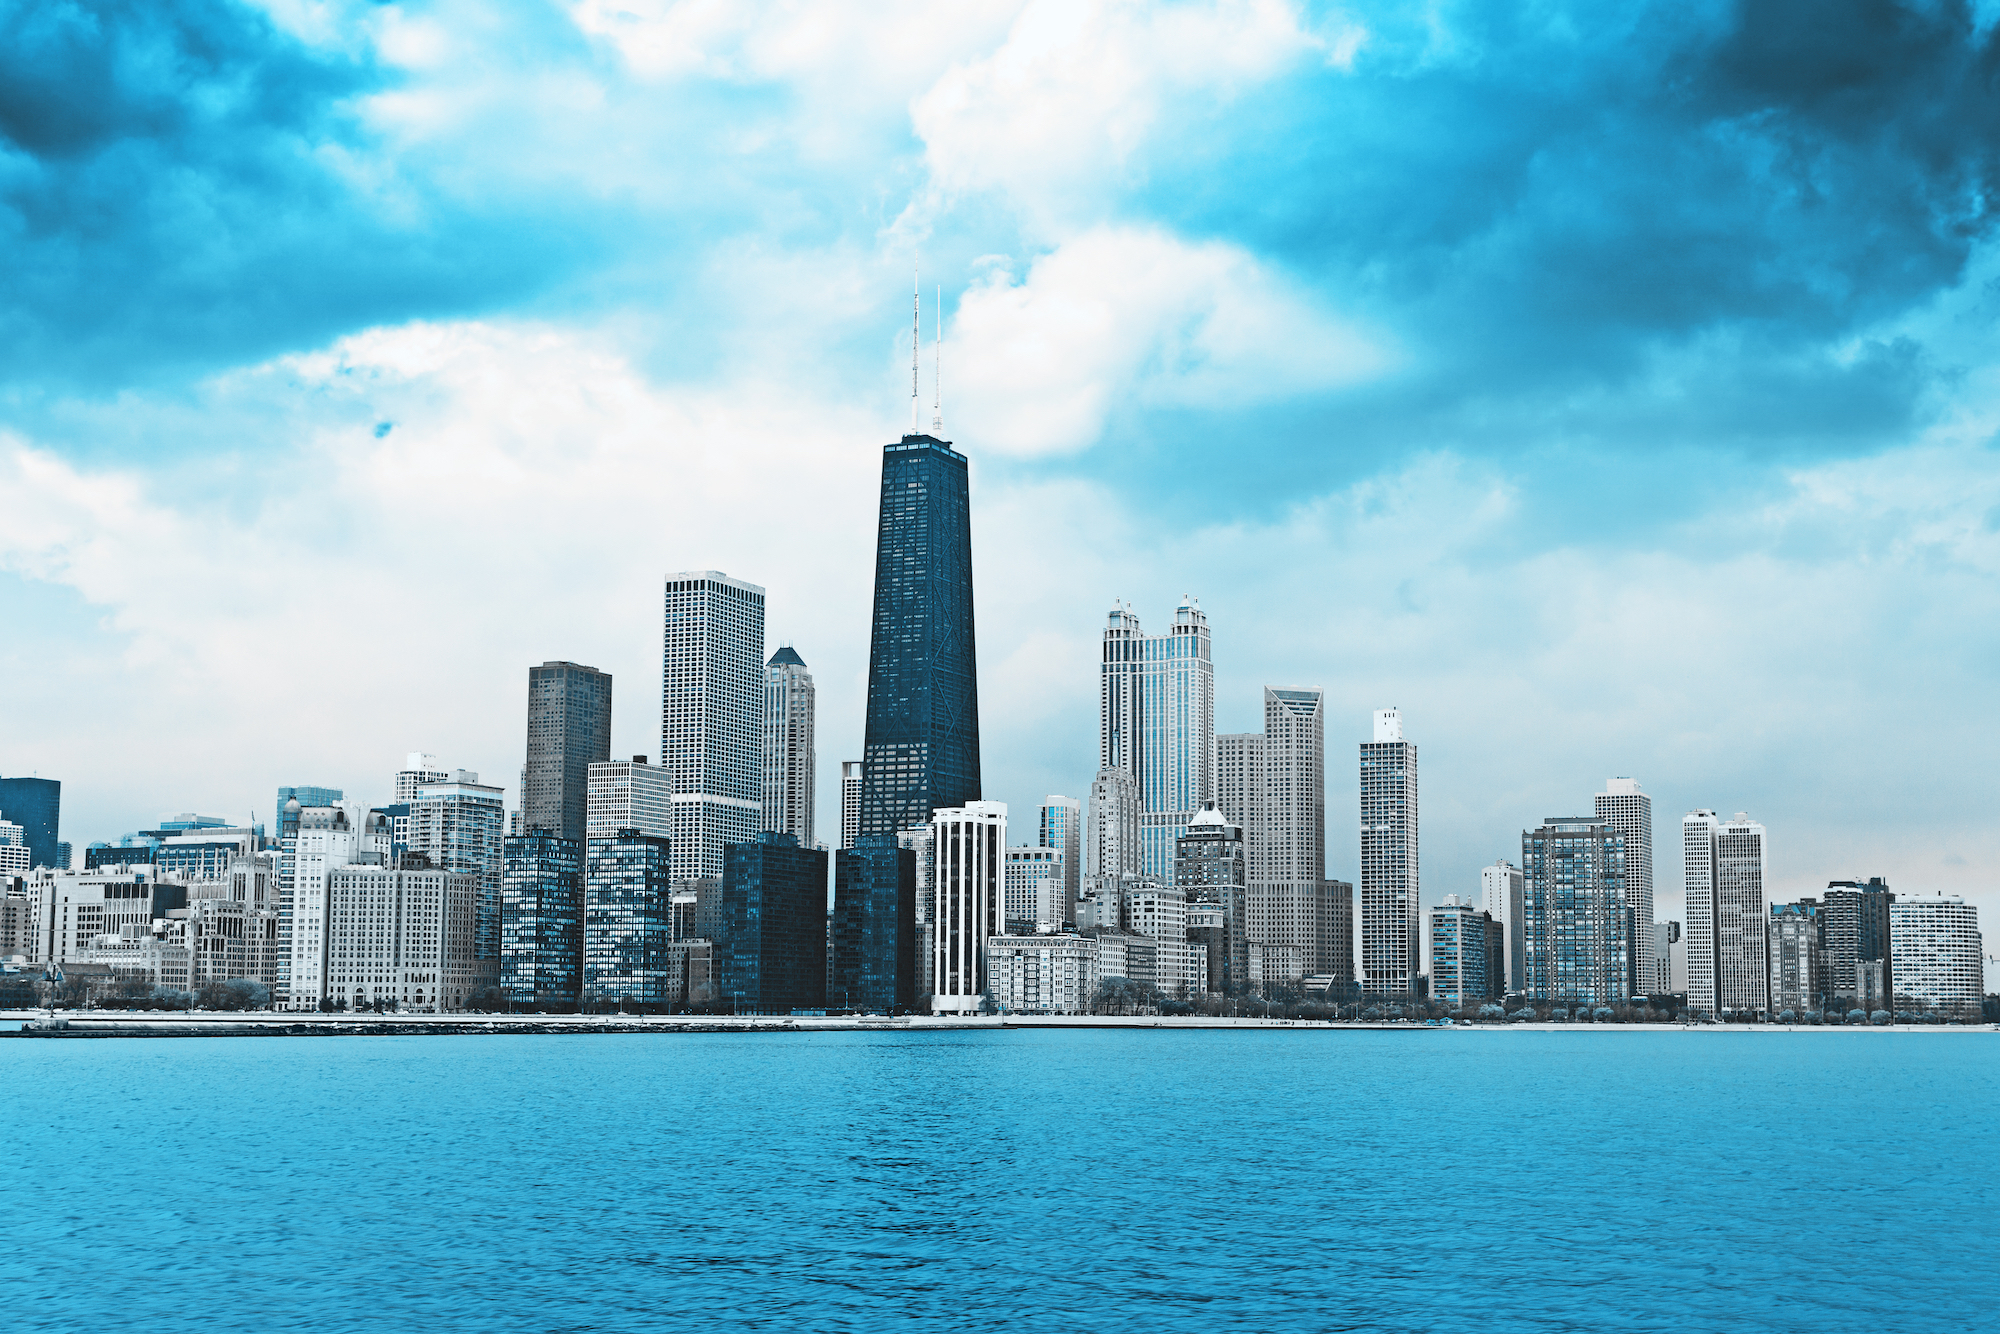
x,y
1611,388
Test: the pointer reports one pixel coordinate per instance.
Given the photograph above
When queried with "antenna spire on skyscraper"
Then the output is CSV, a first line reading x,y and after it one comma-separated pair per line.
x,y
916,343
937,369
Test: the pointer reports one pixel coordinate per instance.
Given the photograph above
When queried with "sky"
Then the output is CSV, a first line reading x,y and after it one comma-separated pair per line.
x,y
1613,389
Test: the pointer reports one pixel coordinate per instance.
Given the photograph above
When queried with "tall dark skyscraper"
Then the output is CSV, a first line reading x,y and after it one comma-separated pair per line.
x,y
921,750
569,729
35,804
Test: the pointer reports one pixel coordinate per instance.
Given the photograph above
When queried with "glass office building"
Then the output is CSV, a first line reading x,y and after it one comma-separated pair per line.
x,y
770,954
627,918
35,804
541,922
1578,924
874,927
921,749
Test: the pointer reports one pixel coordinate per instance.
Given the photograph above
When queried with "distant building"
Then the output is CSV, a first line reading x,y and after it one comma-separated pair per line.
x,y
418,768
1464,952
328,839
920,750
1277,968
1034,889
712,716
920,841
459,824
771,950
1578,925
1797,957
14,857
1939,954
968,843
569,729
1125,954
1727,927
874,966
1239,784
206,854
35,804
1111,828
1391,921
401,937
1287,853
1211,869
627,919
1501,889
1055,973
1672,952
541,921
1160,911
1627,809
230,923
791,771
628,794
1062,828
1860,972
292,800
850,802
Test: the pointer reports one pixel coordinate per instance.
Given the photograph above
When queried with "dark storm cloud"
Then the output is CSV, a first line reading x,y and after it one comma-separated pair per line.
x,y
170,197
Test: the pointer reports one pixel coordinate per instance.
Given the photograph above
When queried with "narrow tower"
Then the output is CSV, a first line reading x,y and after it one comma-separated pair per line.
x,y
1391,925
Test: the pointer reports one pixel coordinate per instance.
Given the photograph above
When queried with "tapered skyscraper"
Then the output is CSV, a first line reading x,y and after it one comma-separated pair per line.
x,y
1391,928
921,750
1156,721
712,716
569,729
790,769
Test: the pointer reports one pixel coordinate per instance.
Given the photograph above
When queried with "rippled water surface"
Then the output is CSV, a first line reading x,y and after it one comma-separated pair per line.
x,y
1055,1181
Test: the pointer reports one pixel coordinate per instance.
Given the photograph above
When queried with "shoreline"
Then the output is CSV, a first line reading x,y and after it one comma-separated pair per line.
x,y
90,1024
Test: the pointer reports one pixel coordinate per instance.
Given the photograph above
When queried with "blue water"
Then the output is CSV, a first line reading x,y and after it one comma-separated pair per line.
x,y
1051,1181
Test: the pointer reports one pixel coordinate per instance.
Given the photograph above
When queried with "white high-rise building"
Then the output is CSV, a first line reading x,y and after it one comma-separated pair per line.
x,y
1391,916
401,937
1062,827
1727,924
1500,894
1111,835
1239,783
418,769
460,824
329,838
1939,953
712,716
1629,811
628,794
791,771
968,844
1160,911
1287,851
1035,889
1157,723
850,802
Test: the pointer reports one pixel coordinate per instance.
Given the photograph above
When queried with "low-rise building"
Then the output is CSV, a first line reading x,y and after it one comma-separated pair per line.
x,y
401,937
1049,973
1127,954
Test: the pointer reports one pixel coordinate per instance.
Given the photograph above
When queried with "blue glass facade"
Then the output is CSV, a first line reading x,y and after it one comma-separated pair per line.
x,y
1577,923
305,795
35,804
541,922
921,749
770,951
627,916
874,926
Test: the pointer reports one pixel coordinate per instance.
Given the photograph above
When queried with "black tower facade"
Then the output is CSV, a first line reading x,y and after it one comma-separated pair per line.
x,y
921,749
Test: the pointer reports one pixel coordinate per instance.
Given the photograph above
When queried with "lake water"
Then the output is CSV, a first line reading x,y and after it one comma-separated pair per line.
x,y
1093,1180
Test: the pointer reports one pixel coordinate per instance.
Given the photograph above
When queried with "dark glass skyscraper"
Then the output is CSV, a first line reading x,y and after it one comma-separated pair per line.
x,y
569,729
35,804
541,921
921,750
874,926
770,951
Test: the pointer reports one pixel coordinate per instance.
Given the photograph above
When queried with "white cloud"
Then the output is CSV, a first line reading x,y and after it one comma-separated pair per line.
x,y
1139,318
1055,118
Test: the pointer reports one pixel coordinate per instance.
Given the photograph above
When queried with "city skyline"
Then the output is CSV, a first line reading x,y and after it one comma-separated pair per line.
x,y
1670,495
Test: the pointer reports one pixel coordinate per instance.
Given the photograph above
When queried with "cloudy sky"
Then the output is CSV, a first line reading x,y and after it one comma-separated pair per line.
x,y
1612,388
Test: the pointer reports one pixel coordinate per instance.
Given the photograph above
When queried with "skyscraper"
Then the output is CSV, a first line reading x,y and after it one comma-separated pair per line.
x,y
967,847
628,794
791,771
1727,926
1797,953
921,748
1391,931
770,954
874,927
460,824
1111,833
418,768
1578,945
627,920
1288,856
1500,889
850,802
1156,721
1461,955
305,795
569,729
1239,783
1062,827
1939,953
541,921
1211,869
712,716
1856,917
1630,811
35,804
